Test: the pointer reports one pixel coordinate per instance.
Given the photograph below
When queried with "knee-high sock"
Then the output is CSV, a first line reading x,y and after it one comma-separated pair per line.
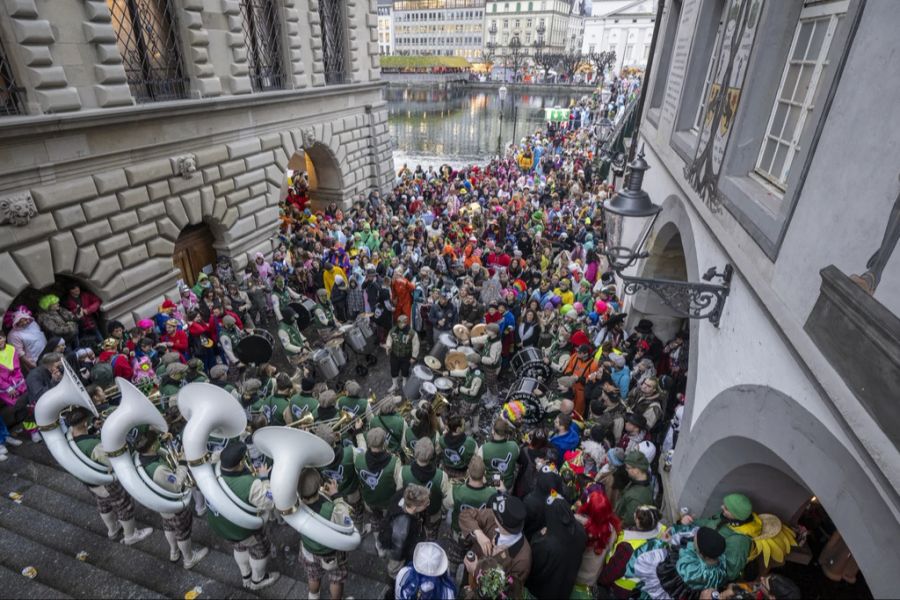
x,y
171,537
187,550
258,568
109,519
129,527
243,562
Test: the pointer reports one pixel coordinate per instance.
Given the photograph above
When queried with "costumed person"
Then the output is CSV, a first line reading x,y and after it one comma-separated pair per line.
x,y
681,567
115,505
294,342
377,471
121,366
402,295
402,347
176,526
646,527
423,471
638,491
319,560
354,401
501,453
27,337
56,320
13,389
556,552
250,547
582,366
491,353
602,527
427,578
496,533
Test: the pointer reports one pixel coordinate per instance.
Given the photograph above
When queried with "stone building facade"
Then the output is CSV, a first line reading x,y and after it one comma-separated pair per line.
x,y
792,398
106,161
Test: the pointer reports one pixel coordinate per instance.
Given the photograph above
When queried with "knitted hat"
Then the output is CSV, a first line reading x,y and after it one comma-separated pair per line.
x,y
509,511
493,328
166,305
251,386
176,369
352,388
637,460
738,505
616,457
218,371
170,357
229,321
710,542
232,455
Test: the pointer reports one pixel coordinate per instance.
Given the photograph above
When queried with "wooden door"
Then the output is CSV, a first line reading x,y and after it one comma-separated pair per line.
x,y
193,251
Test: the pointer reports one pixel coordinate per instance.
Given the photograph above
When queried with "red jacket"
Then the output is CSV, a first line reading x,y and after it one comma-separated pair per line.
x,y
87,302
179,341
121,366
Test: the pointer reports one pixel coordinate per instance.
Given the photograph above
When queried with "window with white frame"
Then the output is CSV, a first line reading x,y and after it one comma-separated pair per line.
x,y
799,82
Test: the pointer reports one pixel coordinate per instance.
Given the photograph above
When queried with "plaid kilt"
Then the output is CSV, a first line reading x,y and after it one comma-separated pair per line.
x,y
258,545
180,523
315,566
118,501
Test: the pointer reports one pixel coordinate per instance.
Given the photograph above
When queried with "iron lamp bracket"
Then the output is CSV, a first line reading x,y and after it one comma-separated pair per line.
x,y
689,300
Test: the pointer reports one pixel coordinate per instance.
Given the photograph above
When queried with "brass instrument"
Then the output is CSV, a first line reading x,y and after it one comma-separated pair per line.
x,y
440,402
173,457
303,422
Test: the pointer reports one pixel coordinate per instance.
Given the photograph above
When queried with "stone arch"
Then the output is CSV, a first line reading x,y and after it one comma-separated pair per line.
x,y
758,438
324,168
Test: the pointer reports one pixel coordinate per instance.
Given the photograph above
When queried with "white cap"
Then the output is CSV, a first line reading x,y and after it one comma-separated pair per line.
x,y
647,449
429,559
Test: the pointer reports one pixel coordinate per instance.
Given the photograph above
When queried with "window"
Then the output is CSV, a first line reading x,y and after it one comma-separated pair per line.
x,y
799,82
263,39
665,54
707,81
10,98
147,40
333,45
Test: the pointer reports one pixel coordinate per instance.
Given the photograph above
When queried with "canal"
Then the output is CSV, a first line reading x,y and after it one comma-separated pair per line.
x,y
459,125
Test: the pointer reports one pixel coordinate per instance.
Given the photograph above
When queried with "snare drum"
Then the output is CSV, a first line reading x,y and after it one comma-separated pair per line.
x,y
336,349
427,391
444,385
325,364
356,339
529,362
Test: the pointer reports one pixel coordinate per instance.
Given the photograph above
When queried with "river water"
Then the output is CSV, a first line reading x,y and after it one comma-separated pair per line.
x,y
459,125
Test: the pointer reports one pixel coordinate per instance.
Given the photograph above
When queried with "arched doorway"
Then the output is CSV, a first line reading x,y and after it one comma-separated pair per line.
x,y
194,252
315,172
666,261
60,287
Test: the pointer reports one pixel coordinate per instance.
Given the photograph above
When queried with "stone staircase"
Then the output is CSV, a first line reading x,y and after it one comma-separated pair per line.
x,y
56,518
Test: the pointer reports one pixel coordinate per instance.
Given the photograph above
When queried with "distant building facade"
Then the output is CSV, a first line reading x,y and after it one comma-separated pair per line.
x,y
624,26
438,27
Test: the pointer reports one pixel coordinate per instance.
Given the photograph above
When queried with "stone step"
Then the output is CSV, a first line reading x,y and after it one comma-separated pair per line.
x,y
15,585
48,486
63,571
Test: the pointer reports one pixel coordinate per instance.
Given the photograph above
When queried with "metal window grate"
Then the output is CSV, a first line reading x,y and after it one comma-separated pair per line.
x,y
10,93
147,37
263,39
333,44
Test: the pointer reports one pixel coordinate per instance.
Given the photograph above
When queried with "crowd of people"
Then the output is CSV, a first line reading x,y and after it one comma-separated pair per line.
x,y
548,493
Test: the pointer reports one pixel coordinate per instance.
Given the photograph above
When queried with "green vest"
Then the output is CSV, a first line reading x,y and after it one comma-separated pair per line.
x,y
434,487
465,496
501,457
283,295
471,374
411,439
378,487
329,314
277,405
299,402
393,426
357,406
342,473
240,484
87,443
293,333
401,342
326,509
457,458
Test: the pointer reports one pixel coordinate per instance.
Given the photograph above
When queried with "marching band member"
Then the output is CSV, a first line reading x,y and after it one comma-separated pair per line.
x,y
393,425
501,453
341,470
115,505
229,336
324,311
319,560
469,393
424,472
250,547
378,471
294,342
491,355
177,526
475,493
305,401
457,448
281,297
352,400
402,347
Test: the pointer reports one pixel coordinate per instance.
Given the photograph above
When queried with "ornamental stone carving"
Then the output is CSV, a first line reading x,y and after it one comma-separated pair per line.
x,y
187,165
17,209
309,138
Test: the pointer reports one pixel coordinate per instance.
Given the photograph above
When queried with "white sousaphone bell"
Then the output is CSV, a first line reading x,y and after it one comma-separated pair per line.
x,y
136,409
292,450
210,410
68,392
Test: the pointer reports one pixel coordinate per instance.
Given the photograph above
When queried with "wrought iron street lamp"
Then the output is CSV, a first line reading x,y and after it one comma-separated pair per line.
x,y
502,94
688,300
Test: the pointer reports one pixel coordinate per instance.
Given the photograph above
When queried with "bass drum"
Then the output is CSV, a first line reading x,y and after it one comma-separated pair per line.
x,y
529,362
324,363
356,339
336,349
255,348
304,309
419,375
527,389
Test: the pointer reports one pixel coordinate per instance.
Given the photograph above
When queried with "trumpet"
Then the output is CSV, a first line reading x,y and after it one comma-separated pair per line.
x,y
173,457
303,422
